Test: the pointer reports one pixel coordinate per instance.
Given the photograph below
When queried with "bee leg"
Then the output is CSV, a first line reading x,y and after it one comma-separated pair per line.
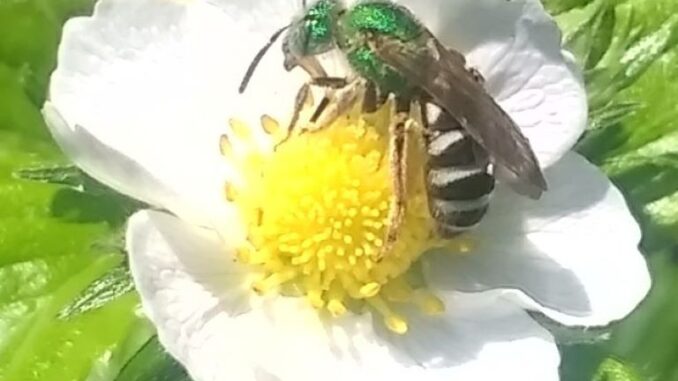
x,y
335,104
398,146
371,98
304,97
330,82
299,101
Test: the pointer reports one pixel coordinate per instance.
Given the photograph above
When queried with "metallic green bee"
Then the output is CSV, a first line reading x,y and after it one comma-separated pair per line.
x,y
469,139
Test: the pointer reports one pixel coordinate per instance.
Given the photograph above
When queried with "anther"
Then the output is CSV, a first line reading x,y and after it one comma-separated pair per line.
x,y
230,192
336,308
429,303
393,321
397,290
463,244
270,125
240,128
265,285
336,296
315,297
370,290
397,324
225,147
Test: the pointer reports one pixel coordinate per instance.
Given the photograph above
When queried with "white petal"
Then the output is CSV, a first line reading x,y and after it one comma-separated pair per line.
x,y
157,80
572,255
516,46
120,173
205,273
193,292
480,337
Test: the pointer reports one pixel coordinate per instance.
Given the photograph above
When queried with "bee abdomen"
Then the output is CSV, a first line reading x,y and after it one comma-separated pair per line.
x,y
458,197
461,184
458,179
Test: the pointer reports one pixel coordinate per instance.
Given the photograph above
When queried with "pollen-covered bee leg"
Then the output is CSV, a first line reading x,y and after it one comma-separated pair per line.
x,y
304,95
371,98
299,102
330,82
322,106
335,104
398,146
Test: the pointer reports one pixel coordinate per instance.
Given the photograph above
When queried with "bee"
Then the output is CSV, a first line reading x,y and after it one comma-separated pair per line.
x,y
469,139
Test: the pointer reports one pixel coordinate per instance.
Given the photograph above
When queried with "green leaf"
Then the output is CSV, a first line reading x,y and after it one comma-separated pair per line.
x,y
612,115
30,37
664,212
658,115
642,158
45,263
112,285
109,365
54,241
614,370
152,363
567,336
68,175
639,56
559,6
84,199
647,339
613,47
30,31
18,113
634,136
591,36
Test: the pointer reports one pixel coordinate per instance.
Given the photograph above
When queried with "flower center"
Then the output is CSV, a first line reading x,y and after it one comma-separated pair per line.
x,y
317,213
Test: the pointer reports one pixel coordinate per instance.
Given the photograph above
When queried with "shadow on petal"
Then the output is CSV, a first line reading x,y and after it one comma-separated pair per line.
x,y
473,326
552,285
537,251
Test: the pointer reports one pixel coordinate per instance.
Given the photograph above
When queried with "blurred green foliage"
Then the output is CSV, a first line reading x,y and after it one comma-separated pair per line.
x,y
628,49
152,363
52,243
66,310
613,370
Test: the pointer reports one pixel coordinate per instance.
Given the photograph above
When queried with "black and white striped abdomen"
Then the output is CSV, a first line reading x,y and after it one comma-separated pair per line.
x,y
458,179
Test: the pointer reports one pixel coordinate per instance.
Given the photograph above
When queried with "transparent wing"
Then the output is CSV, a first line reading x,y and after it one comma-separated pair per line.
x,y
442,74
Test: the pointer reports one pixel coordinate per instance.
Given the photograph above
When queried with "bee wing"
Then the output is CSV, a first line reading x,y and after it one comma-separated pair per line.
x,y
442,74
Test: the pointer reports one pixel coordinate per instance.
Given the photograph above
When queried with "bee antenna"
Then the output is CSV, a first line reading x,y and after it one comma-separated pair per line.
x,y
257,58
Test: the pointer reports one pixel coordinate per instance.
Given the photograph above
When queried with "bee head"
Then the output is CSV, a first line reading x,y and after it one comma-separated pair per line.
x,y
313,33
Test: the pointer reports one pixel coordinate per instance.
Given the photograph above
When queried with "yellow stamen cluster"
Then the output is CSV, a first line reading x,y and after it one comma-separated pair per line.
x,y
317,213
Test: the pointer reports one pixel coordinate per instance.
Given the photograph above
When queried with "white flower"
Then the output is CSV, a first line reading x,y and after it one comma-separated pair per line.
x,y
145,89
